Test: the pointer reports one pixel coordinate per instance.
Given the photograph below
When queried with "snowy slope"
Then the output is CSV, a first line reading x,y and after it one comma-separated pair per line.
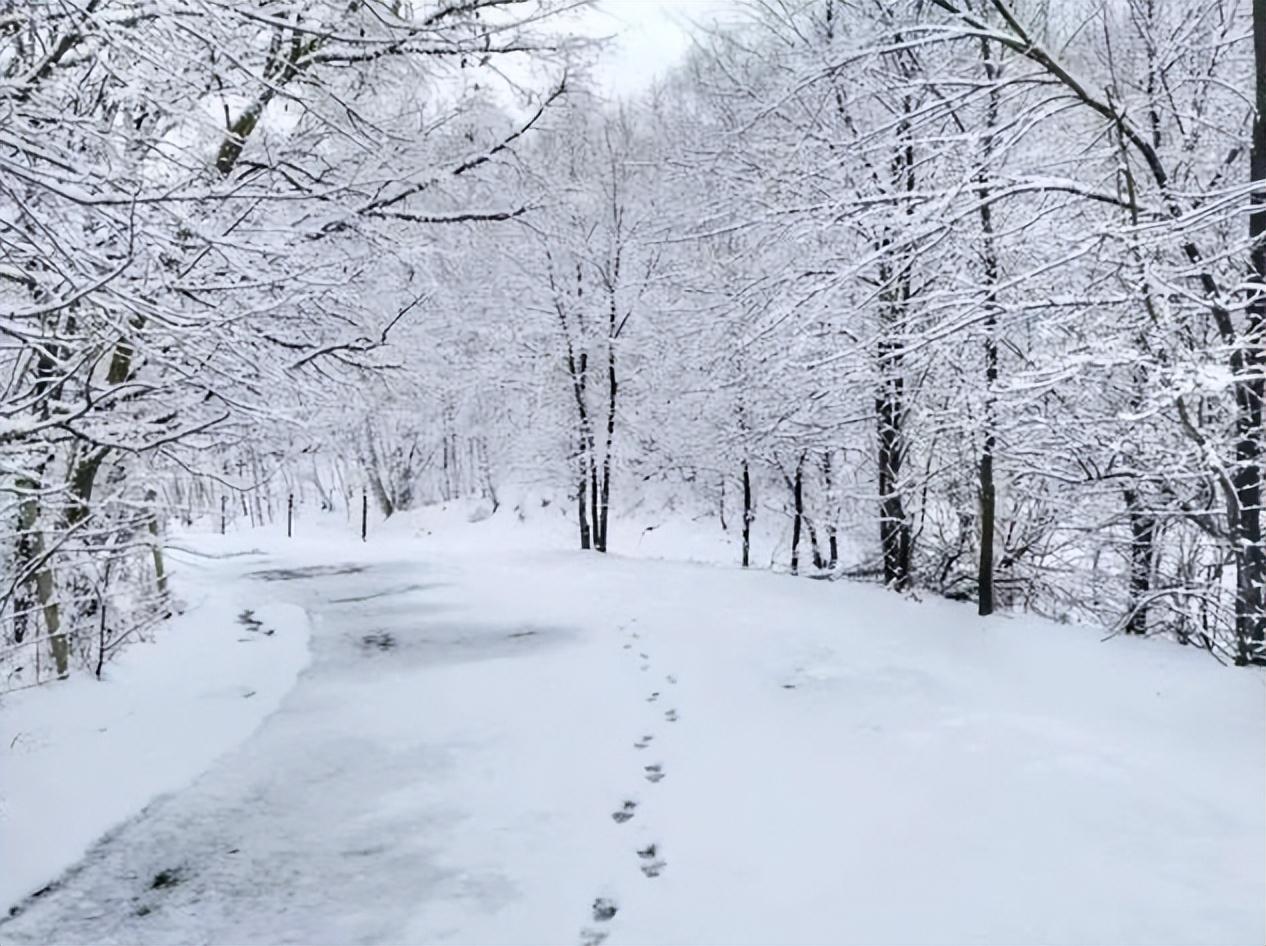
x,y
535,746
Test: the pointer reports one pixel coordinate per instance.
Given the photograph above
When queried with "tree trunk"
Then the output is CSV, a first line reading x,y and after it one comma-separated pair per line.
x,y
372,474
44,589
797,496
1250,389
748,515
156,550
832,538
490,486
588,447
1142,555
24,558
988,501
988,497
582,496
594,501
612,389
894,527
33,542
819,562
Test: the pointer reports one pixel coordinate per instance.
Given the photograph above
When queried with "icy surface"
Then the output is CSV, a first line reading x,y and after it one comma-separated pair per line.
x,y
78,757
550,747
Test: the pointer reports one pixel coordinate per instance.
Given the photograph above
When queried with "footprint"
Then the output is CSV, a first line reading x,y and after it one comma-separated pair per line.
x,y
646,666
653,773
604,909
645,656
628,646
625,813
671,678
652,864
592,937
653,697
643,742
671,716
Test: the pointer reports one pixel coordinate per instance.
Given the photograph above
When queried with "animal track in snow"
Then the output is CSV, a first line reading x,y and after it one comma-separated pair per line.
x,y
653,697
643,742
671,716
654,772
624,813
603,909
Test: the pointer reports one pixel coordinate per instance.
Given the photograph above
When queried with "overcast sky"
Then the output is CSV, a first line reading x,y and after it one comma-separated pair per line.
x,y
651,36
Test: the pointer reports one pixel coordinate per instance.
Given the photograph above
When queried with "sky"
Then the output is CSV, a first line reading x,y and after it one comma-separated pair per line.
x,y
650,37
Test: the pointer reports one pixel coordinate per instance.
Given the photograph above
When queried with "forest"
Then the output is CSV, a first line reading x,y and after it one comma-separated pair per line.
x,y
965,296
423,432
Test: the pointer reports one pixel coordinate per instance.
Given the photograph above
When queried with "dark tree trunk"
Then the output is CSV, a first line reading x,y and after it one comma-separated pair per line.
x,y
988,502
591,448
585,475
612,390
1250,388
797,495
988,496
818,561
748,515
594,501
582,495
894,526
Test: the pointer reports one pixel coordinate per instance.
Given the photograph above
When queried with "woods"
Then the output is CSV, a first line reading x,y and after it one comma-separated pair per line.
x,y
967,297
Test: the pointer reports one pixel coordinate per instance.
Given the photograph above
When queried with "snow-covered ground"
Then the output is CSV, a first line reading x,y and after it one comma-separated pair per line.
x,y
79,757
497,742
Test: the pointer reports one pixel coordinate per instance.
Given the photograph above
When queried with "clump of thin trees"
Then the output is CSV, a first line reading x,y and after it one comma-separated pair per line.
x,y
966,296
212,222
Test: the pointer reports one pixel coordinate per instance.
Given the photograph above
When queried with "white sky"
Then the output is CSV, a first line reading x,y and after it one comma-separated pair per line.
x,y
651,36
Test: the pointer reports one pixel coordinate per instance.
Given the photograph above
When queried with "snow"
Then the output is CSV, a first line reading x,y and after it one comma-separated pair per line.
x,y
80,757
830,762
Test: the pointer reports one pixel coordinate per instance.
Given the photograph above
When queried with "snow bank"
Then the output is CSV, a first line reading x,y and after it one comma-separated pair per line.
x,y
655,530
77,758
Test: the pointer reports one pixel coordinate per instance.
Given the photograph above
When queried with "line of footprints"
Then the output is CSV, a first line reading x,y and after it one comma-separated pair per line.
x,y
649,859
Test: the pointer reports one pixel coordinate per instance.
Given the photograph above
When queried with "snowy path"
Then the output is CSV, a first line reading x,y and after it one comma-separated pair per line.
x,y
557,750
